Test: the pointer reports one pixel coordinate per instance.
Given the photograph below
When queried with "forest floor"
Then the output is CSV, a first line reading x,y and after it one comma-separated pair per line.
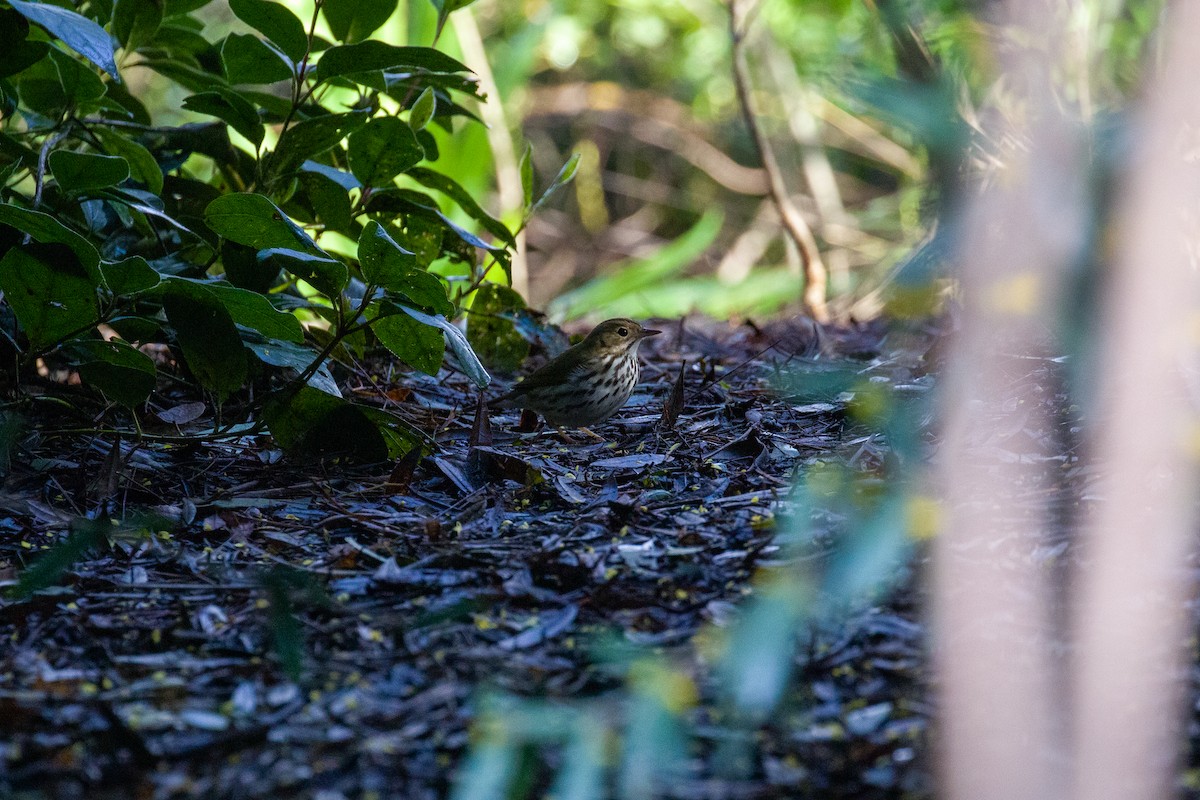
x,y
261,625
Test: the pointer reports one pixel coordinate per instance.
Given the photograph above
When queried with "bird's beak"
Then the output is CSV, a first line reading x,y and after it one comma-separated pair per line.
x,y
647,332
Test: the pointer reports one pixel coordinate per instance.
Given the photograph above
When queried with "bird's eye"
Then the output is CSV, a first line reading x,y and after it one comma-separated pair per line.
x,y
622,331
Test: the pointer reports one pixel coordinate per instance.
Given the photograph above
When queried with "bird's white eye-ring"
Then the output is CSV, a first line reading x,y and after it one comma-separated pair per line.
x,y
622,331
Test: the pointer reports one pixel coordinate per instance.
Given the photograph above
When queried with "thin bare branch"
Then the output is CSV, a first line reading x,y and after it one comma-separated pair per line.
x,y
816,277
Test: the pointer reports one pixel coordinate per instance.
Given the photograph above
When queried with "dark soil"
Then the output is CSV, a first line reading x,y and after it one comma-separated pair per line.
x,y
262,625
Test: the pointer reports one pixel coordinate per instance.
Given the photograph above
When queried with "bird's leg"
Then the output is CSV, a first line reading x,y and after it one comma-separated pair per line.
x,y
570,439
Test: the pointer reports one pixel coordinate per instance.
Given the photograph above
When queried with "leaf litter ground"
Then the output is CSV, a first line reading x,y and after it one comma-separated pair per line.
x,y
291,627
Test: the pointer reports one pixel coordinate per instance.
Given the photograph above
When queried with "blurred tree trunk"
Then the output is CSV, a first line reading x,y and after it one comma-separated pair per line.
x,y
1018,720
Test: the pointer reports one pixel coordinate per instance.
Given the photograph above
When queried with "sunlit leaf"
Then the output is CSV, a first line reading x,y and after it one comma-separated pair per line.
x,y
422,110
382,149
384,263
451,188
563,177
312,137
374,55
244,307
458,345
416,343
527,174
253,220
354,20
492,334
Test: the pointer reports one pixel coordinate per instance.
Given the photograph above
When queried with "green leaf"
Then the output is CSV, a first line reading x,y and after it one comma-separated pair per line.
x,y
291,415
382,149
311,422
412,203
451,188
49,291
355,20
384,263
458,344
248,59
312,137
77,172
400,436
298,358
244,270
253,220
444,9
420,235
128,277
17,53
137,328
228,105
81,85
142,166
45,228
328,275
208,338
416,343
586,760
119,100
78,32
134,22
423,289
494,337
19,56
244,307
374,55
276,22
41,90
563,177
121,372
527,174
422,110
329,202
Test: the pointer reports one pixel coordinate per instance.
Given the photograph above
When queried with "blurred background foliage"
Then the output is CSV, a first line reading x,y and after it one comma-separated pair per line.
x,y
669,211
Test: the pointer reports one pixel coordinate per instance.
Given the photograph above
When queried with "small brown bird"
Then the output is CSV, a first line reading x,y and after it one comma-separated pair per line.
x,y
589,382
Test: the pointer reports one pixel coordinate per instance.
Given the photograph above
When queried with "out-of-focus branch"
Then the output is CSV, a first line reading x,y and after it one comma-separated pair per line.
x,y
1133,618
819,174
1015,721
508,171
815,275
651,118
1001,693
863,138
